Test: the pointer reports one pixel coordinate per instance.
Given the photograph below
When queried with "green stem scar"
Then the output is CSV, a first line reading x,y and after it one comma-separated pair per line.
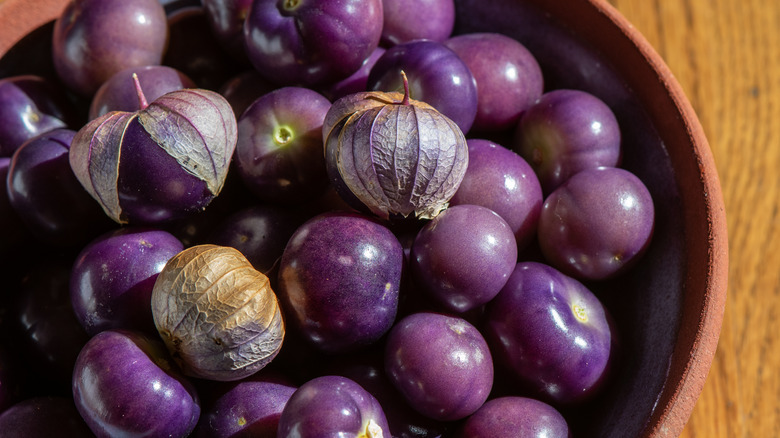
x,y
579,312
283,135
290,4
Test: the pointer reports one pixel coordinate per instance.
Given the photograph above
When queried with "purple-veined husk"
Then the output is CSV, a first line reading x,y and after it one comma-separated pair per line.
x,y
395,156
197,127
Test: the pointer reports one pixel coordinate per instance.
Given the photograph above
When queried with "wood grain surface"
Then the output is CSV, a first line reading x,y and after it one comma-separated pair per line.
x,y
726,56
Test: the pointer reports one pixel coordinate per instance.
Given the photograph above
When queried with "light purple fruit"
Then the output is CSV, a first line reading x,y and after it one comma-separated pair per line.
x,y
515,416
501,180
597,224
118,93
407,20
366,368
463,256
440,364
567,131
94,39
509,80
436,74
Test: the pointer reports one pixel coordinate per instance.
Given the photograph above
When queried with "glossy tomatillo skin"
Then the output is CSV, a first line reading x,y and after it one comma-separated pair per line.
x,y
407,20
441,364
515,416
93,39
332,406
124,385
597,224
509,80
339,280
250,407
501,180
551,333
367,369
135,256
47,196
309,42
28,109
463,256
118,93
567,131
279,149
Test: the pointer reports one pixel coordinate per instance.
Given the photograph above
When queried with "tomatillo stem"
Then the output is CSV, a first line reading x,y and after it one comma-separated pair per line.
x,y
406,88
141,97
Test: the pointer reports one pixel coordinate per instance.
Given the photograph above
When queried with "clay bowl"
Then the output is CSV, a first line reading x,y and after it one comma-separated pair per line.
x,y
669,309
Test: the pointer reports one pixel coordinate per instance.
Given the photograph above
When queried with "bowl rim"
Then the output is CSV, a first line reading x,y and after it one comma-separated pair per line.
x,y
697,340
20,17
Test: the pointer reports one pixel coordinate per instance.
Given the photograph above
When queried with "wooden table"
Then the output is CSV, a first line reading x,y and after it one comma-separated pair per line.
x,y
726,56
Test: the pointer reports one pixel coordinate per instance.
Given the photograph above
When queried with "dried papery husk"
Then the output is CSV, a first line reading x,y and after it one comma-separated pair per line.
x,y
217,315
196,127
396,156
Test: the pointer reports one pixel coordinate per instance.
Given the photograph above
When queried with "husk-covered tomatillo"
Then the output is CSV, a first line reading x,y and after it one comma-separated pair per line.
x,y
217,315
393,155
163,162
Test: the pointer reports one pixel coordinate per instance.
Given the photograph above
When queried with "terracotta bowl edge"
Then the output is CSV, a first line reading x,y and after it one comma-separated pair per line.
x,y
21,17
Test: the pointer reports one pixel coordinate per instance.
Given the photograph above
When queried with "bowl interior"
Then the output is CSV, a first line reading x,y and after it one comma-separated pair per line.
x,y
668,309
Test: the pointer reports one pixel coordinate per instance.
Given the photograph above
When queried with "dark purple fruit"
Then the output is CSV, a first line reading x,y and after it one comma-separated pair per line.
x,y
339,280
112,278
332,406
551,333
306,43
124,384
